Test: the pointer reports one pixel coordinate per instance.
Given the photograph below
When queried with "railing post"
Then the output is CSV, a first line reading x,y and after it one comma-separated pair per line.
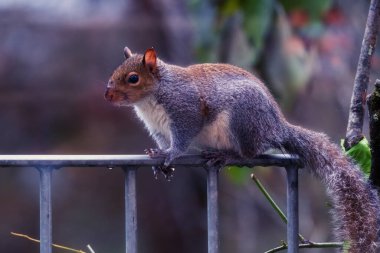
x,y
130,210
212,210
292,209
45,210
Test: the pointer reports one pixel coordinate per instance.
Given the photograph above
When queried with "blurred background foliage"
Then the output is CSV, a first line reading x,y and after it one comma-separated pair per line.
x,y
55,58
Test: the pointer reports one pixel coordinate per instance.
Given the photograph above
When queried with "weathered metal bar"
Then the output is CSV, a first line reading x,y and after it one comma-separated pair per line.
x,y
46,163
45,210
280,160
130,210
212,210
292,208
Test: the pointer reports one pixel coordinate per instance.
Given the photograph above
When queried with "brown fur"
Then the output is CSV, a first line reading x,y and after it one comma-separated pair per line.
x,y
219,106
120,92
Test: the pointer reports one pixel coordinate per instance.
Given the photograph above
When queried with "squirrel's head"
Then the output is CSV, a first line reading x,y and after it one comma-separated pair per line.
x,y
134,79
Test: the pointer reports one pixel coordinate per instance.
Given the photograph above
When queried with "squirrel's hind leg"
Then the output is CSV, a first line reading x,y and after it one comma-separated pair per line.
x,y
246,142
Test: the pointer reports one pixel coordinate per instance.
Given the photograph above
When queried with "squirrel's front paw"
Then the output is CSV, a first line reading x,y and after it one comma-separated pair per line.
x,y
166,171
155,153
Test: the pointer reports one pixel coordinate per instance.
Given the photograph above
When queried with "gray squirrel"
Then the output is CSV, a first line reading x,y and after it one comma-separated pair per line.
x,y
225,108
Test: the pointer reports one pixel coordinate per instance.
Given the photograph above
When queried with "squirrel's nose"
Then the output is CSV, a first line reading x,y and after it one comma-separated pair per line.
x,y
108,95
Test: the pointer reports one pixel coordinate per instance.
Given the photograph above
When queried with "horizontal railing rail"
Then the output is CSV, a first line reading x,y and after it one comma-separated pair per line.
x,y
280,160
130,163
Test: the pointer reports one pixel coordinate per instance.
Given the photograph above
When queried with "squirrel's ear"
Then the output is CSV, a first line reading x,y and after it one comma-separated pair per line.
x,y
127,52
150,59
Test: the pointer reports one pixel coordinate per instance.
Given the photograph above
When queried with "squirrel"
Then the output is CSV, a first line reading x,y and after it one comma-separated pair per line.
x,y
225,108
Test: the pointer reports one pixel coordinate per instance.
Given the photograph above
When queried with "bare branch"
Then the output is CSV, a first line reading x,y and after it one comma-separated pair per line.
x,y
314,245
355,121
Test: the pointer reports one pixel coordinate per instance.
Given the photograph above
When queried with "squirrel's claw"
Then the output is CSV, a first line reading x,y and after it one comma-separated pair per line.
x,y
215,158
219,158
166,171
156,171
216,162
155,153
211,154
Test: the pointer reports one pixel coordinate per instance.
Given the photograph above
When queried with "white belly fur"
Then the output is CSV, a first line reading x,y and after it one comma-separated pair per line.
x,y
215,135
154,116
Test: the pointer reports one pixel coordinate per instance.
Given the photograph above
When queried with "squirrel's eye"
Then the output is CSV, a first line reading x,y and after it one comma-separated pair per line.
x,y
133,78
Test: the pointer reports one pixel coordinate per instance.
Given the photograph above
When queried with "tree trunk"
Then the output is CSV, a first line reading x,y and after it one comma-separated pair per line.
x,y
355,122
373,103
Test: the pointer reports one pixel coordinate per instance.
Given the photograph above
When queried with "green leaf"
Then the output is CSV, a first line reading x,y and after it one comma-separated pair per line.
x,y
238,175
361,153
346,246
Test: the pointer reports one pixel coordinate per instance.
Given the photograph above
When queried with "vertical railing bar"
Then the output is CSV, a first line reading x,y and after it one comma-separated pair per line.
x,y
130,210
45,210
292,209
212,210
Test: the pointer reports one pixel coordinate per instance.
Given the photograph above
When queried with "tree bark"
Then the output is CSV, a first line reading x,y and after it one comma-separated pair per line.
x,y
355,121
373,103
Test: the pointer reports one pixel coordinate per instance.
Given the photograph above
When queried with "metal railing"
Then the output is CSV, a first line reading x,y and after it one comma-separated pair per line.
x,y
130,163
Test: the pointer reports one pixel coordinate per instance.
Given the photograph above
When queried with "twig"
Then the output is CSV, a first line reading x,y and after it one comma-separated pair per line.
x,y
304,243
355,121
308,245
54,245
90,248
273,203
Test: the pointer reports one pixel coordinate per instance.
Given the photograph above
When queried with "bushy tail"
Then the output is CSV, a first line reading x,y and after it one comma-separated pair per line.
x,y
356,205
